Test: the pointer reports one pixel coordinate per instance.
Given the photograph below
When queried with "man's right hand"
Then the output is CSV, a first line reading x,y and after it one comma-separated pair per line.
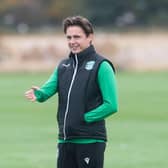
x,y
30,93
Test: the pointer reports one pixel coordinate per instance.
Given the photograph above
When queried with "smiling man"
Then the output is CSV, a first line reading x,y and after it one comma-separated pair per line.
x,y
87,94
77,39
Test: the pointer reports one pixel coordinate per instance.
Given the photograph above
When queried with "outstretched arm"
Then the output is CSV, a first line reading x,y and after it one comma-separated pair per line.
x,y
48,89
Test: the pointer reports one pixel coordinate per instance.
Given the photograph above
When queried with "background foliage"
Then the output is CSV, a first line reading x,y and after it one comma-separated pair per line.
x,y
103,13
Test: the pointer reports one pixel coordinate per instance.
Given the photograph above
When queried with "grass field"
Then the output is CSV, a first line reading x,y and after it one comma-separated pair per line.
x,y
137,134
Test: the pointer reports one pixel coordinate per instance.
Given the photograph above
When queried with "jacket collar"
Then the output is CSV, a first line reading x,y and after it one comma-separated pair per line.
x,y
83,55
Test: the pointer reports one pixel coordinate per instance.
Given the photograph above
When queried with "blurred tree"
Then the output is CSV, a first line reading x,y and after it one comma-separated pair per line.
x,y
127,12
57,10
6,4
35,13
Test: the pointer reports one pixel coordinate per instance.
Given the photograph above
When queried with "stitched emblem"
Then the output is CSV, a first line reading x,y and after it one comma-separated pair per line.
x,y
89,65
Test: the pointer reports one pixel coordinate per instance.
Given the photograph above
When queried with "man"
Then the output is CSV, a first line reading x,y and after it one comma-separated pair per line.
x,y
86,88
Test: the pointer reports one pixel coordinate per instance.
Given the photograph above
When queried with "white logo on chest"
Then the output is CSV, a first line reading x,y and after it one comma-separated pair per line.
x,y
66,65
89,65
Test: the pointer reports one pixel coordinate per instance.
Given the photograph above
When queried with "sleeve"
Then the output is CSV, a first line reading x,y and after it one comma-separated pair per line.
x,y
109,94
49,88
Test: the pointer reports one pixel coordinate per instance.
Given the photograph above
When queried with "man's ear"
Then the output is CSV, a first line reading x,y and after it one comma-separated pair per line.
x,y
91,38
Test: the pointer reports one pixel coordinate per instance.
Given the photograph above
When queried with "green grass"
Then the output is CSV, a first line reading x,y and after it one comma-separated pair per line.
x,y
137,134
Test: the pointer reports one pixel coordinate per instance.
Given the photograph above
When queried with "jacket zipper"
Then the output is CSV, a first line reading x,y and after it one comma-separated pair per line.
x,y
68,98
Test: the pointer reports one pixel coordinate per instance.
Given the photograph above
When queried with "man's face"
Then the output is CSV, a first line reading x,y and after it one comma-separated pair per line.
x,y
77,39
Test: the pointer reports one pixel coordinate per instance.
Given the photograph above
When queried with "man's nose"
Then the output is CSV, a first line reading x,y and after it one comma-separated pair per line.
x,y
72,40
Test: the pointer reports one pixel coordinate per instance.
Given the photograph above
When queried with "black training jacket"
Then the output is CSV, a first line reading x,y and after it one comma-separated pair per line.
x,y
78,93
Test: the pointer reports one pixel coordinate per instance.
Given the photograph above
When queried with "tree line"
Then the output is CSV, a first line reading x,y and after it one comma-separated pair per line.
x,y
117,13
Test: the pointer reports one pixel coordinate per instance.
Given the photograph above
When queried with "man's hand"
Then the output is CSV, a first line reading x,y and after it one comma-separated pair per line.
x,y
30,93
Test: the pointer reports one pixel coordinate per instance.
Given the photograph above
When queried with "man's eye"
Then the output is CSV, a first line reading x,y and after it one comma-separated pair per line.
x,y
76,37
68,37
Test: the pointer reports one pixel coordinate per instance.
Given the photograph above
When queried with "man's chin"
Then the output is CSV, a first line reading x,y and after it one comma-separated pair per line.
x,y
75,51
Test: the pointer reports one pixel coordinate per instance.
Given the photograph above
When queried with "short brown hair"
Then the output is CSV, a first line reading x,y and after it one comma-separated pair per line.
x,y
78,21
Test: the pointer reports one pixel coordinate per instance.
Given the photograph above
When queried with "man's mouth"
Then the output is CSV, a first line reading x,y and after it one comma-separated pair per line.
x,y
74,47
